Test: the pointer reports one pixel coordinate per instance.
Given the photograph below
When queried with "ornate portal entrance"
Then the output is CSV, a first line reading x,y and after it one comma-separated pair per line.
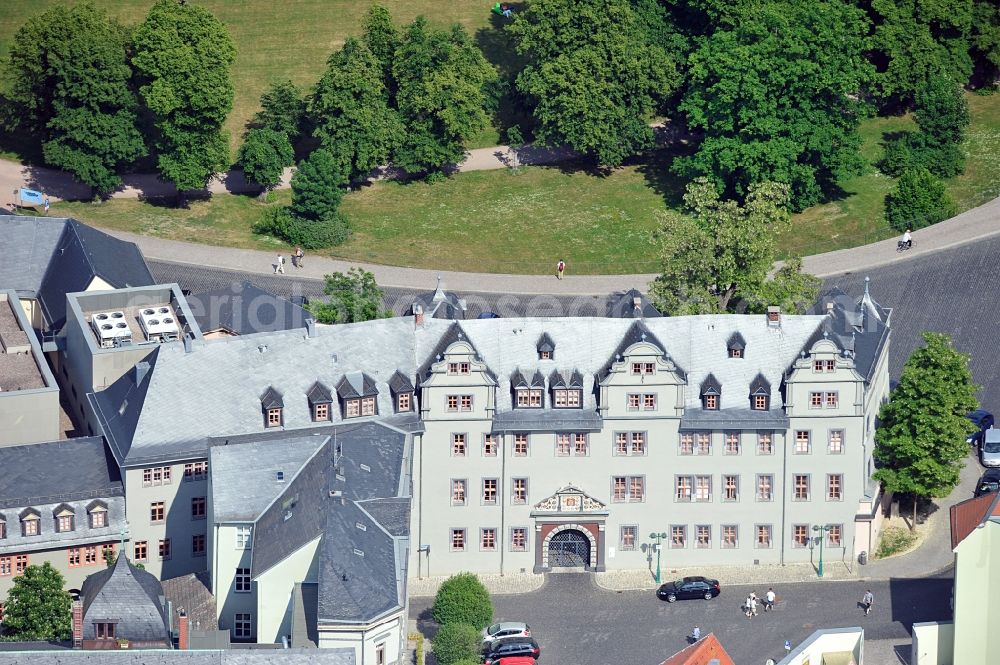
x,y
569,531
569,549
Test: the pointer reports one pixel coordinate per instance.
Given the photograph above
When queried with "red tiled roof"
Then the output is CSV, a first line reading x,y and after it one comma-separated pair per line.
x,y
701,653
967,515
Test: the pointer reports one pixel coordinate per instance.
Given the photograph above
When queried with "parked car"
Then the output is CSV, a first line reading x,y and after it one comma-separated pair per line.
x,y
517,645
689,587
512,660
983,420
989,449
506,629
990,482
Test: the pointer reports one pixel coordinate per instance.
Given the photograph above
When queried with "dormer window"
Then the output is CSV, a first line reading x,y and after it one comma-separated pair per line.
x,y
546,347
361,406
711,392
404,402
319,399
527,393
760,394
401,388
3,527
567,398
30,523
97,515
64,517
643,368
529,398
458,368
824,365
273,407
736,345
358,393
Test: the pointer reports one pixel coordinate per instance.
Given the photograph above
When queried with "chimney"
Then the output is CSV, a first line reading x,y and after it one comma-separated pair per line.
x,y
141,370
311,327
773,317
829,307
187,344
77,623
418,315
182,630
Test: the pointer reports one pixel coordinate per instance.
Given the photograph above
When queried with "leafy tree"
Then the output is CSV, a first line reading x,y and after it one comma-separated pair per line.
x,y
942,114
919,200
722,252
920,444
350,108
775,99
457,643
354,296
264,156
282,110
917,39
594,75
318,186
183,55
790,289
986,32
70,74
381,37
515,141
445,90
38,608
463,599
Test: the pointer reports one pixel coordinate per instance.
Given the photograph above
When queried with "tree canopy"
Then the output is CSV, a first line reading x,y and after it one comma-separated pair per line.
x,y
70,77
921,443
720,254
183,56
595,76
282,110
381,36
918,200
445,88
38,607
354,296
318,186
264,155
917,39
350,108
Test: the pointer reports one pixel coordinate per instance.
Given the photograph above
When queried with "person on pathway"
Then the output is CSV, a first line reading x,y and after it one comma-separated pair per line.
x,y
788,647
753,604
769,600
46,204
299,254
907,239
560,269
867,601
695,634
279,265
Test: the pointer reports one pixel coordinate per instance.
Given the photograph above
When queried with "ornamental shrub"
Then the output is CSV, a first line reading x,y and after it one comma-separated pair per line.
x,y
456,643
463,599
919,200
310,234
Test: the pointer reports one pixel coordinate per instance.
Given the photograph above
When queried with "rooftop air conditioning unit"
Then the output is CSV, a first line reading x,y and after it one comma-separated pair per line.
x,y
159,323
111,328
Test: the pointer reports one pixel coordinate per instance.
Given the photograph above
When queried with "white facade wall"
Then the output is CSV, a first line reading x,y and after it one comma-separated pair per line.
x,y
273,617
387,635
226,558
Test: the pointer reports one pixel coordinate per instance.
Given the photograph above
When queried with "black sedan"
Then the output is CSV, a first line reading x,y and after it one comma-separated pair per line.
x,y
689,587
983,420
518,645
990,482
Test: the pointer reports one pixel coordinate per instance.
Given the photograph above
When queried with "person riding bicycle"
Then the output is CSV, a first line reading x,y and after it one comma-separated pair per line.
x,y
907,241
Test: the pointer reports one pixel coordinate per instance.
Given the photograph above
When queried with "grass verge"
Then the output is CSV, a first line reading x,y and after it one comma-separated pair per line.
x,y
894,540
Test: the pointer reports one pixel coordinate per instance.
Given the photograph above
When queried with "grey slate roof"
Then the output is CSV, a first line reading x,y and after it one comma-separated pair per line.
x,y
534,420
560,379
130,597
736,341
623,306
361,568
356,384
760,386
545,343
733,418
119,406
244,309
858,327
710,386
271,399
244,475
319,394
28,244
339,656
400,383
71,470
81,254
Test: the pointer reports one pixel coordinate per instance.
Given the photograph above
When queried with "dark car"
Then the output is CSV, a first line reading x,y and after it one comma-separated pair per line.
x,y
689,587
512,660
983,420
990,482
511,646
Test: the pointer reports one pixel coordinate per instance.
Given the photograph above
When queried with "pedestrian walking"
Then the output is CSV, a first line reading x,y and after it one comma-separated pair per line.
x,y
695,634
788,647
753,605
46,205
560,269
867,601
279,265
299,254
769,600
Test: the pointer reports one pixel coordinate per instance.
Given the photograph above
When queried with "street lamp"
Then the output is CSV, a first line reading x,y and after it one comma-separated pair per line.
x,y
822,536
658,537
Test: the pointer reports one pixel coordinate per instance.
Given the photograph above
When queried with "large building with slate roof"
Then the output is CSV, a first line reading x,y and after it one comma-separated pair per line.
x,y
534,441
61,502
123,602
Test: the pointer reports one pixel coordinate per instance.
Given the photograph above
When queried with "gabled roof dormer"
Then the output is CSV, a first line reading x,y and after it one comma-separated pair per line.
x,y
528,392
760,393
454,354
401,389
640,341
320,400
567,389
546,347
563,380
273,408
736,345
711,393
358,395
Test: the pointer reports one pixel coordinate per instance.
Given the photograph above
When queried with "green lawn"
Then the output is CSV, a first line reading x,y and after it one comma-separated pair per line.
x,y
493,221
278,40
